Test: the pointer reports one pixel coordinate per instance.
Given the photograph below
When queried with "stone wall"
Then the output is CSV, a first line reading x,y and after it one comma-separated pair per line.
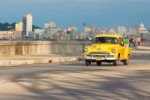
x,y
41,47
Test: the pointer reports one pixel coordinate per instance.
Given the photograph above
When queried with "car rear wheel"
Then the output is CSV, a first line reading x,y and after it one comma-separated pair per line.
x,y
126,61
99,63
87,62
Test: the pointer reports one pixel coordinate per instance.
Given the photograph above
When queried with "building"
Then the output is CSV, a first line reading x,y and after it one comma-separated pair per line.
x,y
51,29
72,28
50,25
27,25
37,34
91,29
87,29
19,27
102,30
10,35
142,28
112,30
122,31
144,33
134,31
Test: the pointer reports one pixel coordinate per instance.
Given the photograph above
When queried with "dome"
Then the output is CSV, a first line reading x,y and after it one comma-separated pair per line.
x,y
142,25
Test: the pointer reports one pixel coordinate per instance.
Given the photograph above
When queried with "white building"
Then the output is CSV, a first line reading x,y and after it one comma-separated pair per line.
x,y
142,28
37,34
72,28
102,30
122,30
144,33
50,25
27,25
90,29
112,30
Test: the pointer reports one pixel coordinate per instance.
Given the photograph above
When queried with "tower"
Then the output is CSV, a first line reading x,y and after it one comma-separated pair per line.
x,y
27,25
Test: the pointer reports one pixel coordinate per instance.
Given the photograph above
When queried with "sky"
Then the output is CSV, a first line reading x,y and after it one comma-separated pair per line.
x,y
102,13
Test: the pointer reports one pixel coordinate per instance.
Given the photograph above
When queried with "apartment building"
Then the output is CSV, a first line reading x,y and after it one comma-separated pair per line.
x,y
10,35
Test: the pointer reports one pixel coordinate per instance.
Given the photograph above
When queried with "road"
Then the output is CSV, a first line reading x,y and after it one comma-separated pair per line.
x,y
76,81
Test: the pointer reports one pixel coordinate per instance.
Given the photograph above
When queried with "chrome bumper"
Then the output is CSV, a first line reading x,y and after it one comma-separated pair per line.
x,y
99,58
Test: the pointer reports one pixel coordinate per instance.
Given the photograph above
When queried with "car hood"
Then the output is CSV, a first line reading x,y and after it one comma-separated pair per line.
x,y
103,47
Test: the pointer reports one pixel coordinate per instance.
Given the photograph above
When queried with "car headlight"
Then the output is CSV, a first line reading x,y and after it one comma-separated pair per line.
x,y
85,50
113,50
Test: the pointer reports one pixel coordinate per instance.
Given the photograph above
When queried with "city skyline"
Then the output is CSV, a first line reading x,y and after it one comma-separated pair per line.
x,y
102,13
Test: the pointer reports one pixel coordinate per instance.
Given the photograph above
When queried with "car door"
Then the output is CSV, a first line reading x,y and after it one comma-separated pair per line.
x,y
122,48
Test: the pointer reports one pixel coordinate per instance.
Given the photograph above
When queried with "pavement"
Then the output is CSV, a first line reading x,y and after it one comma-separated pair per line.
x,y
36,59
53,58
141,51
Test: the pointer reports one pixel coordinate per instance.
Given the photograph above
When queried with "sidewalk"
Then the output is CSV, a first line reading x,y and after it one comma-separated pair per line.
x,y
52,58
141,51
35,59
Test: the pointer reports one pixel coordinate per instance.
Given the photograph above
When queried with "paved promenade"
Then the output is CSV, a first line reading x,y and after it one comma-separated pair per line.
x,y
40,59
141,51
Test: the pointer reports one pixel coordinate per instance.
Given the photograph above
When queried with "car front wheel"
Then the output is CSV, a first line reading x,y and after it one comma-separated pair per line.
x,y
116,62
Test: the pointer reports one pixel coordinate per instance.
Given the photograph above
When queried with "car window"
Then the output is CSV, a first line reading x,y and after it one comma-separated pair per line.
x,y
121,41
112,40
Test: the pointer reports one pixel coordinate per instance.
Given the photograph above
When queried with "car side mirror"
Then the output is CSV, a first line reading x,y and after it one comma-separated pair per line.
x,y
122,44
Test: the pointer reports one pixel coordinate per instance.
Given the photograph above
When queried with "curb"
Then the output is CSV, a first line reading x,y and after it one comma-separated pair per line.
x,y
140,55
60,60
23,62
18,62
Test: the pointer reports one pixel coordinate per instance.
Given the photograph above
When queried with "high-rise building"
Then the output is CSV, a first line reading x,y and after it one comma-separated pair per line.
x,y
27,25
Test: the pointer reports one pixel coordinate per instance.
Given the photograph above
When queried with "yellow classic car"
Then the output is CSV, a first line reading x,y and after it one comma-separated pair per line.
x,y
107,48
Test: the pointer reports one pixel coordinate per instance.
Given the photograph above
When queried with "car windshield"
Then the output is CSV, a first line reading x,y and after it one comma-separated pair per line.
x,y
112,40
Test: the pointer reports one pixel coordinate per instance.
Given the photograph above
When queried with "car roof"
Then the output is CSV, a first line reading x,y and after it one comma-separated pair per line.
x,y
108,35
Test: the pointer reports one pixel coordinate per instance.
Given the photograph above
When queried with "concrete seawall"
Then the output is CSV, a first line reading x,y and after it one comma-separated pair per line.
x,y
23,48
41,47
38,52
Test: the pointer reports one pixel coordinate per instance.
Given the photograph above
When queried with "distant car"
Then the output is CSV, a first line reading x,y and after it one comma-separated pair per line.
x,y
107,48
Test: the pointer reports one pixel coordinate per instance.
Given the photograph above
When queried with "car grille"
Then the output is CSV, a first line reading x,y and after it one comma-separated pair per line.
x,y
103,53
100,54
